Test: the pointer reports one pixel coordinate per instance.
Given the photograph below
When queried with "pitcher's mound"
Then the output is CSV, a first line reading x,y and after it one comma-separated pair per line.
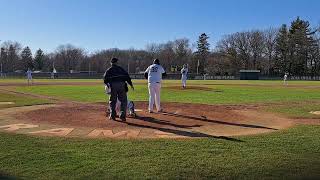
x,y
177,120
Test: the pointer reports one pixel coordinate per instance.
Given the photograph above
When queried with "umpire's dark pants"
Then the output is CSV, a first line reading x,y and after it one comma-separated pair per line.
x,y
118,91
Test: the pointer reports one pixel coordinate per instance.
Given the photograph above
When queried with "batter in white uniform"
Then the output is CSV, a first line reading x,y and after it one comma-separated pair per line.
x,y
184,75
154,74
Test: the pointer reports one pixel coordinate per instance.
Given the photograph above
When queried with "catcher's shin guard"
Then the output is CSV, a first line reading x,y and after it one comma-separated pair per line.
x,y
132,112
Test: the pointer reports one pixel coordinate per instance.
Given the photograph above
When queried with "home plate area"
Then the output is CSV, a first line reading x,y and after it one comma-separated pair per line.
x,y
179,120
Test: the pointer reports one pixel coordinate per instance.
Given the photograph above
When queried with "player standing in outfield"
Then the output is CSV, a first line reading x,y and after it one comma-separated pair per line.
x,y
117,78
154,74
285,78
29,76
184,75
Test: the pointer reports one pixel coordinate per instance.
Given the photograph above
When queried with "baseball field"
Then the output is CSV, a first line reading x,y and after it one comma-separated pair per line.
x,y
57,129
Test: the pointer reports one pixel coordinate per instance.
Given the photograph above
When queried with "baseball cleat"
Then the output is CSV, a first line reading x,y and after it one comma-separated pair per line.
x,y
150,111
112,118
123,117
133,115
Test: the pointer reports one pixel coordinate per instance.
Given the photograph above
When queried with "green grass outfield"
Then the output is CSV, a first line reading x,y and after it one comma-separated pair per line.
x,y
287,154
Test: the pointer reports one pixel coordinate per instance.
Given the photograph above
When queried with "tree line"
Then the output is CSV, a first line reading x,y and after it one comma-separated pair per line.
x,y
293,49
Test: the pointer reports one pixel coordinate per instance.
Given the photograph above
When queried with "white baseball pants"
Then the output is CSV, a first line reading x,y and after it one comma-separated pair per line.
x,y
154,96
184,81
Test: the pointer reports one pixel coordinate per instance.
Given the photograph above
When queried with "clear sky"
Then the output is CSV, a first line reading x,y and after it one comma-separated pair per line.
x,y
101,24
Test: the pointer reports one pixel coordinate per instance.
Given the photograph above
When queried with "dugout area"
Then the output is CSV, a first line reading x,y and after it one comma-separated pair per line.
x,y
249,74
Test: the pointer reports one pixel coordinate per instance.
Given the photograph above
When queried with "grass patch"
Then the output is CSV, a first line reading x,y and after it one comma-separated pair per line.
x,y
297,109
19,101
221,94
288,154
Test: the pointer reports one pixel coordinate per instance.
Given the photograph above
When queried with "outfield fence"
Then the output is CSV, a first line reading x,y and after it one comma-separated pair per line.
x,y
94,75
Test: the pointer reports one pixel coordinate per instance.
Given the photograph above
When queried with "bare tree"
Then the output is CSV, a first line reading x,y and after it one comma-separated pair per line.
x,y
257,47
182,50
68,57
270,36
242,45
10,56
228,50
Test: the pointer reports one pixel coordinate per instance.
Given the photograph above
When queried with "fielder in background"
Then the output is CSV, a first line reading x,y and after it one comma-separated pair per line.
x,y
154,74
117,78
285,79
29,76
184,75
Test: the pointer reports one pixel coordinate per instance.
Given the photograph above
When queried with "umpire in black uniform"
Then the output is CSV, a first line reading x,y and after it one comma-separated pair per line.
x,y
117,78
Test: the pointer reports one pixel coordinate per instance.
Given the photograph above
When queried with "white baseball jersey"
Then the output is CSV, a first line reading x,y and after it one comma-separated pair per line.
x,y
285,77
29,74
155,72
184,73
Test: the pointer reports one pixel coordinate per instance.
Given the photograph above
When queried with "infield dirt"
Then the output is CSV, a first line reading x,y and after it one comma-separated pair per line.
x,y
178,120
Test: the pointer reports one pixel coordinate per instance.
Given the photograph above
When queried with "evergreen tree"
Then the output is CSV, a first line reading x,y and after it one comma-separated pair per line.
x,y
12,59
282,63
301,43
26,59
202,52
39,60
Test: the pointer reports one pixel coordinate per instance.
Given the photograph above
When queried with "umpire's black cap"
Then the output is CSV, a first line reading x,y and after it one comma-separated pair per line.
x,y
156,61
114,60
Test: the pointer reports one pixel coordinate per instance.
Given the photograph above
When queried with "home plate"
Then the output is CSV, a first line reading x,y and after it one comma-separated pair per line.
x,y
138,110
6,103
315,112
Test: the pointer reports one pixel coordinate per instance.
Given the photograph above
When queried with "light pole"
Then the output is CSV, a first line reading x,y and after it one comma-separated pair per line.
x,y
128,66
89,67
1,62
1,69
198,66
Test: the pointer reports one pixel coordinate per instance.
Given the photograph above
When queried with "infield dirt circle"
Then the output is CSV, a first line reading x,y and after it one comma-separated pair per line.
x,y
177,121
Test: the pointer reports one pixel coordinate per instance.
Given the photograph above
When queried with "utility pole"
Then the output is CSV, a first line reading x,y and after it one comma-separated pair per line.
x,y
1,70
198,66
128,66
1,63
1,74
89,68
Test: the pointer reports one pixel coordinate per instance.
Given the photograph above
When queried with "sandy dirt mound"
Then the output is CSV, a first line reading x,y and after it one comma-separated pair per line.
x,y
179,120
